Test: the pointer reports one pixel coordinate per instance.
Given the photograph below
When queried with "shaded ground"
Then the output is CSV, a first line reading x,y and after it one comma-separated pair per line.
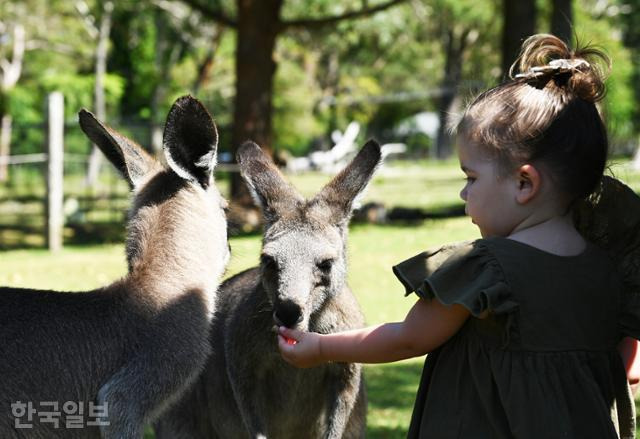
x,y
391,389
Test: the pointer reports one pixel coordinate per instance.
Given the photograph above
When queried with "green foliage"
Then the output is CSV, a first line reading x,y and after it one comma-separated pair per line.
x,y
28,108
419,144
594,27
294,98
628,15
25,105
56,44
377,70
158,48
382,69
620,103
78,90
134,37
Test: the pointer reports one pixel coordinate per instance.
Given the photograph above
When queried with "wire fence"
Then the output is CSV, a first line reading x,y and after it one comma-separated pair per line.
x,y
85,212
91,212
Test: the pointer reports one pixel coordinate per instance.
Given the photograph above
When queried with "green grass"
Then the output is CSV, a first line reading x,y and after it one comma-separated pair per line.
x,y
428,185
72,269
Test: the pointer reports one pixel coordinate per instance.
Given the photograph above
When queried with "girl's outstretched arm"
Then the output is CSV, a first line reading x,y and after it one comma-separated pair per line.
x,y
428,324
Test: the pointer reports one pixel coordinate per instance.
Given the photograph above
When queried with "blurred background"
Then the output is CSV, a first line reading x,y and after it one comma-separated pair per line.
x,y
309,81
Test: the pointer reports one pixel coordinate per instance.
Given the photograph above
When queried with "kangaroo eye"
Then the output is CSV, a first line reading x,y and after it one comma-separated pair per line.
x,y
325,265
268,262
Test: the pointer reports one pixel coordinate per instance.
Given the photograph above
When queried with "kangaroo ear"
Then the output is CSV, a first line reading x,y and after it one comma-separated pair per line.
x,y
267,185
133,162
191,141
342,191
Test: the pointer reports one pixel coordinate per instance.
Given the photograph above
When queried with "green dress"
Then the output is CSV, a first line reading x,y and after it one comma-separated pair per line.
x,y
537,358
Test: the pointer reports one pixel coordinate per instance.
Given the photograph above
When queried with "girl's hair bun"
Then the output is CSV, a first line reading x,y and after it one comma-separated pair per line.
x,y
546,61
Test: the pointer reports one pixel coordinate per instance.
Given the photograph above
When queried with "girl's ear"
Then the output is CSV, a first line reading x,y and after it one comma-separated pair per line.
x,y
528,180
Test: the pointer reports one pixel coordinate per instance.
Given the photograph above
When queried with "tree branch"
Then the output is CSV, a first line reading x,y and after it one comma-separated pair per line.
x,y
315,23
11,70
215,14
88,19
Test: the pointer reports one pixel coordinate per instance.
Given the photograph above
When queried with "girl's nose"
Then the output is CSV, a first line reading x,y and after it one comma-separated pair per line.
x,y
463,194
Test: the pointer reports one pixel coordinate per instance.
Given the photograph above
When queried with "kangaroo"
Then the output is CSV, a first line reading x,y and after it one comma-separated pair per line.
x,y
247,390
132,347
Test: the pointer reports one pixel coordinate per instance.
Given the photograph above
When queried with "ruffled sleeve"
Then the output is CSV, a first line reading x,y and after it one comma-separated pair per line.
x,y
466,274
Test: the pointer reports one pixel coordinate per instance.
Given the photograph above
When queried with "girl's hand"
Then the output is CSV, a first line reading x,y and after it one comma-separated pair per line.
x,y
301,349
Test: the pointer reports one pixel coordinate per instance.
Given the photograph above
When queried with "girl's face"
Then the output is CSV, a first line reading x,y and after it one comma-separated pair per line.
x,y
489,196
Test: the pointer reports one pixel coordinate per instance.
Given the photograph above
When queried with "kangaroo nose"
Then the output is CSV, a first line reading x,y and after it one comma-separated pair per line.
x,y
288,313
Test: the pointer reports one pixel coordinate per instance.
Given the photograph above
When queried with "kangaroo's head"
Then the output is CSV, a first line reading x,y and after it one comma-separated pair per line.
x,y
176,232
303,260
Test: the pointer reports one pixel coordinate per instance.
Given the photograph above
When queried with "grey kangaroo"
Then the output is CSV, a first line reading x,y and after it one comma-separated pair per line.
x,y
132,347
247,390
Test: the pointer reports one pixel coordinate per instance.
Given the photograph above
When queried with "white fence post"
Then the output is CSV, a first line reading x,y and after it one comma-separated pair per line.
x,y
55,148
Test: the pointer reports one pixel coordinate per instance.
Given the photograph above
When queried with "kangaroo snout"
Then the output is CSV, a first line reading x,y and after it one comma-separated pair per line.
x,y
287,313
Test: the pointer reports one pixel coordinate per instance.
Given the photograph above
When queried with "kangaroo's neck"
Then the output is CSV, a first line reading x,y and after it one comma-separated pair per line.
x,y
172,253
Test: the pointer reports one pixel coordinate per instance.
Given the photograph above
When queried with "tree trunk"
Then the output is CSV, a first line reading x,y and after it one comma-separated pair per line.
x,y
167,54
206,66
635,163
258,24
5,144
258,28
562,19
11,71
454,50
95,157
519,23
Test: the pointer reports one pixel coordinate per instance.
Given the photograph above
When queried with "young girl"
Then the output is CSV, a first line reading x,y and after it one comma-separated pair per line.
x,y
521,326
